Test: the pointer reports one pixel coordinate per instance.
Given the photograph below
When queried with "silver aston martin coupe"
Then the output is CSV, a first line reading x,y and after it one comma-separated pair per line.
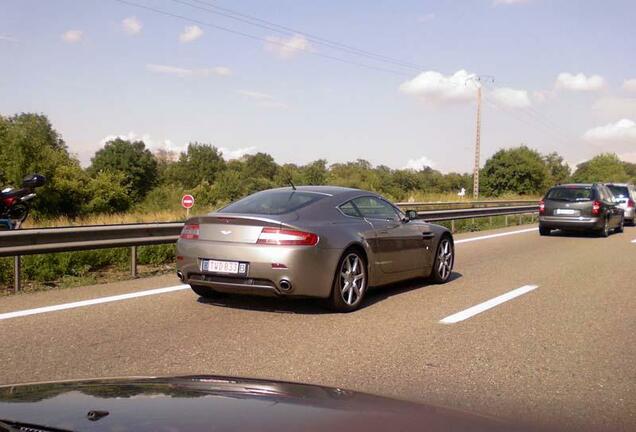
x,y
311,241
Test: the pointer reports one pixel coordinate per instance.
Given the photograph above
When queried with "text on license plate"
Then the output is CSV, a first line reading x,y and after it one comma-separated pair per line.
x,y
565,211
229,267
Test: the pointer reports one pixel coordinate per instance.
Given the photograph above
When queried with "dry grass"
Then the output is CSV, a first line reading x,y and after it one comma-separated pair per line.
x,y
453,197
180,215
110,219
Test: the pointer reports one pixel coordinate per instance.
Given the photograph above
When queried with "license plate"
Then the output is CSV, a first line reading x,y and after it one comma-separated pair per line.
x,y
565,212
226,267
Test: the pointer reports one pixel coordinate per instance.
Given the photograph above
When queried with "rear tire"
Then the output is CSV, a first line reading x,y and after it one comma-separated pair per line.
x,y
544,231
350,282
205,292
621,226
444,261
605,231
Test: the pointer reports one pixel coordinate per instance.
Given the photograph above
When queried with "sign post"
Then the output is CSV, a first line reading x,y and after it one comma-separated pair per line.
x,y
187,202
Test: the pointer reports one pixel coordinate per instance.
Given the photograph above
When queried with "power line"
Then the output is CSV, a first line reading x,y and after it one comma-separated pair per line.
x,y
268,25
258,38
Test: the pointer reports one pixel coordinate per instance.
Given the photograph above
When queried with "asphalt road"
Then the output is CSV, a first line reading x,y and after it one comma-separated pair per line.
x,y
562,355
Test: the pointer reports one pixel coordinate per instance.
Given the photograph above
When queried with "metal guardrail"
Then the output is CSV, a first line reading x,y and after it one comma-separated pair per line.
x,y
65,239
465,204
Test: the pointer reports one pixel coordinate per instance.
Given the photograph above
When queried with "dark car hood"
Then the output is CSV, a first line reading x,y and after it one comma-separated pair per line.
x,y
193,403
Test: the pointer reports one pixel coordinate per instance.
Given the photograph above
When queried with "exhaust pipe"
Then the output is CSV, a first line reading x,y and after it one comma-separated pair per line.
x,y
285,285
180,276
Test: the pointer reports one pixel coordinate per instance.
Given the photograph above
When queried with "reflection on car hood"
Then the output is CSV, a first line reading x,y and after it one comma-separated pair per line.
x,y
193,403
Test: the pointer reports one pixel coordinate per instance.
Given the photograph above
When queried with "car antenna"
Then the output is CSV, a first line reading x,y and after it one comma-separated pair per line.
x,y
291,183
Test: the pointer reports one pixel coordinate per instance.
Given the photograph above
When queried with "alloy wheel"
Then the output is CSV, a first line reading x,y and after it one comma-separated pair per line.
x,y
445,259
353,279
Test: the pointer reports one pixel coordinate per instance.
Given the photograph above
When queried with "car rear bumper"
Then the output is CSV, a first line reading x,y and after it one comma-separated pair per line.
x,y
629,213
309,270
571,223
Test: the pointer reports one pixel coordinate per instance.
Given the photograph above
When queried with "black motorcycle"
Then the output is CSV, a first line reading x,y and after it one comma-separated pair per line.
x,y
14,203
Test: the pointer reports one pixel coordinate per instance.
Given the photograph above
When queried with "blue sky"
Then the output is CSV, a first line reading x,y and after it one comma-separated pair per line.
x,y
100,68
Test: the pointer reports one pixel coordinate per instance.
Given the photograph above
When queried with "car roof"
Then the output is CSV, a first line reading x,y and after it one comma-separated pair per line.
x,y
617,184
328,190
577,185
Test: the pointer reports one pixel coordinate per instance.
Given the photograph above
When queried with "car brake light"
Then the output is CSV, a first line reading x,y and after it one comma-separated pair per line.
x,y
287,237
190,232
541,207
596,208
630,203
9,201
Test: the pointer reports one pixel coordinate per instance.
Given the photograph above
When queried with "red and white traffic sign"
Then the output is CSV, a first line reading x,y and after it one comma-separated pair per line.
x,y
187,201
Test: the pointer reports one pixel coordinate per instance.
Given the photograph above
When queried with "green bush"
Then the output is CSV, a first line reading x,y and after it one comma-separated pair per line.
x,y
156,255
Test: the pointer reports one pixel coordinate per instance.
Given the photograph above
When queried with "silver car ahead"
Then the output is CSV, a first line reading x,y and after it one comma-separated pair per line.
x,y
311,241
625,195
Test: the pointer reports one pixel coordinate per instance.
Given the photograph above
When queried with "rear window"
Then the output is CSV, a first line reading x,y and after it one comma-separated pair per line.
x,y
272,202
571,193
619,191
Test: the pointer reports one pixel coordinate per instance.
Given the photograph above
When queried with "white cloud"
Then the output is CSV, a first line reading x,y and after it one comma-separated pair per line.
x,y
190,33
418,164
621,132
426,17
255,95
434,87
262,99
287,47
630,85
508,2
236,153
612,107
186,73
580,82
628,157
151,143
7,38
511,98
131,25
72,36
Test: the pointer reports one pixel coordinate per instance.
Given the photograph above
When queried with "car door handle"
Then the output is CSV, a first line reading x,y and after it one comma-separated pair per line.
x,y
427,236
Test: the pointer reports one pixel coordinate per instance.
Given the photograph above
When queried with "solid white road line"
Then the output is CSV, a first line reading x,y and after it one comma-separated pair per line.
x,y
472,239
136,294
91,302
481,307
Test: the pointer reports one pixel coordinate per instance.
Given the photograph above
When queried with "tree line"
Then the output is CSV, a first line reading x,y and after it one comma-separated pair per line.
x,y
125,175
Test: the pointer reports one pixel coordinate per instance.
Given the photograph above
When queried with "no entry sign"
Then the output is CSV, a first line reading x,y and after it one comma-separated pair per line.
x,y
187,201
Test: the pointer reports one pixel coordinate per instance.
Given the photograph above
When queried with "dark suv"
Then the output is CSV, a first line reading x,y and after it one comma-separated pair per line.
x,y
580,207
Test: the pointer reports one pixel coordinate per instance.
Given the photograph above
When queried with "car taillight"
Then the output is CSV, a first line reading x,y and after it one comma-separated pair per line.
x,y
541,207
287,237
596,208
630,203
9,201
190,232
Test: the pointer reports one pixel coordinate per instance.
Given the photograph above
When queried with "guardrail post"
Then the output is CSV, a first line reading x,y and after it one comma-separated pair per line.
x,y
16,274
520,219
453,226
133,261
506,221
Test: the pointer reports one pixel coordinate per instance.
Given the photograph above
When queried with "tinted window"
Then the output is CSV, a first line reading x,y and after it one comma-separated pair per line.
x,y
349,209
374,208
574,193
272,202
619,191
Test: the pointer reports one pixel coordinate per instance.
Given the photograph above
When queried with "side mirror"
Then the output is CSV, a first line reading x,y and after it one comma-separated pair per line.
x,y
411,215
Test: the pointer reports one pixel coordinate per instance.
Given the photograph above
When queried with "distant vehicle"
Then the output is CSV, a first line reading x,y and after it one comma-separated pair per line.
x,y
311,241
580,207
14,203
217,403
625,195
